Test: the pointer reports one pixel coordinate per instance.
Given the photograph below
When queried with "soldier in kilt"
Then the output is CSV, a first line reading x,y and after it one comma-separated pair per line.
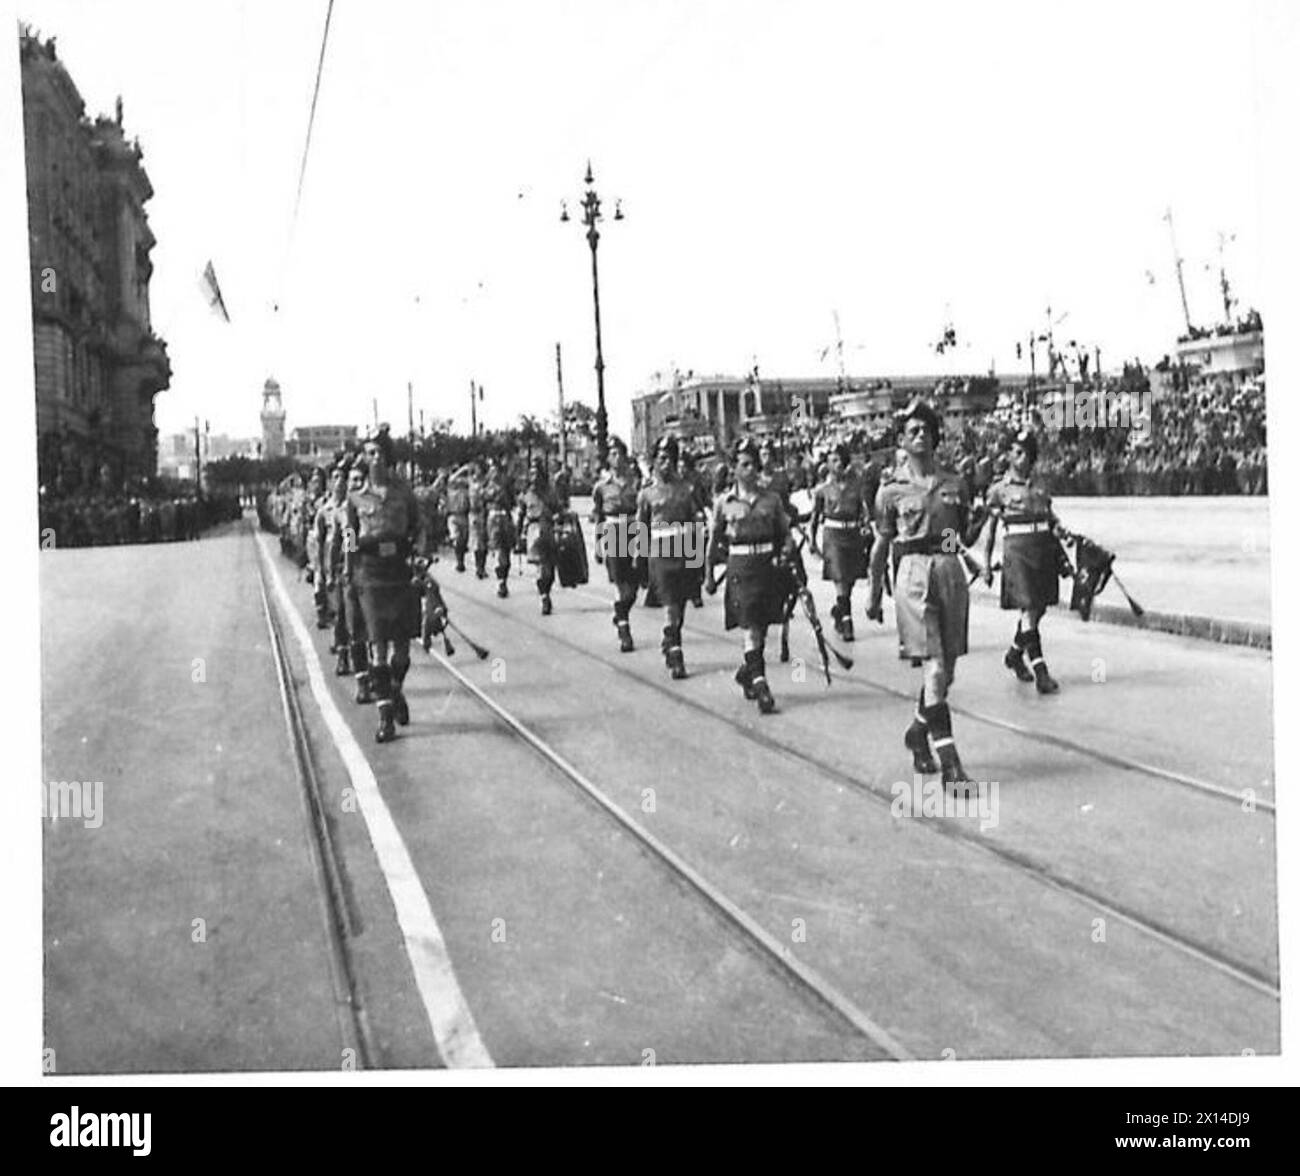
x,y
382,523
751,532
924,511
840,509
327,566
354,620
699,537
535,527
478,529
613,510
458,514
1031,555
499,501
665,512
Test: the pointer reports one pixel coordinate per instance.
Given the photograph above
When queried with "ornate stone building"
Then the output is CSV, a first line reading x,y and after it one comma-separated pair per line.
x,y
98,363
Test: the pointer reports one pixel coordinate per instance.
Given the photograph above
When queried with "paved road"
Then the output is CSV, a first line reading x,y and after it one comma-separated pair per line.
x,y
1118,899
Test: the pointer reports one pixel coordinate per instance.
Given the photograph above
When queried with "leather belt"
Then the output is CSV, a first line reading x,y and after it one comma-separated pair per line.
x,y
1027,528
751,548
840,524
925,545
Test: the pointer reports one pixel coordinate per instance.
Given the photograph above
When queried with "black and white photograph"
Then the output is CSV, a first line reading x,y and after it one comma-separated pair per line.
x,y
610,536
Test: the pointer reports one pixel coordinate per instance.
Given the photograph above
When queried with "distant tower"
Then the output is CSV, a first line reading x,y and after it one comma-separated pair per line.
x,y
272,421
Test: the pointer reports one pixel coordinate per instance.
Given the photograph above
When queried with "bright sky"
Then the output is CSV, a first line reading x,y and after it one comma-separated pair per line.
x,y
777,161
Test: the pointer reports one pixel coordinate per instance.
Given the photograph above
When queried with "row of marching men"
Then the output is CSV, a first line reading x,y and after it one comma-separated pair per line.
x,y
921,523
370,545
912,528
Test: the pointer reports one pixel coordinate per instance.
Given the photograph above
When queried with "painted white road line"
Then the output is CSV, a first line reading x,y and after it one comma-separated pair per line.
x,y
450,1019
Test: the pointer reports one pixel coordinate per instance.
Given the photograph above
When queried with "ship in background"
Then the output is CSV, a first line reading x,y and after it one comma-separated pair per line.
x,y
1231,352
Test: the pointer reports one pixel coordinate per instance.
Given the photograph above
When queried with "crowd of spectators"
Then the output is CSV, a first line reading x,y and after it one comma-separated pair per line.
x,y
1209,438
147,514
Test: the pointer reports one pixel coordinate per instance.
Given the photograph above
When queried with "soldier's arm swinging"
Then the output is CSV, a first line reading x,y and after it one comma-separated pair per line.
x,y
715,555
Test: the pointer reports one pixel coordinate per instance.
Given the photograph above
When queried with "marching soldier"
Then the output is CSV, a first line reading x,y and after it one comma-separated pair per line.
x,y
349,590
1030,558
840,509
925,513
614,505
458,514
382,522
426,502
498,501
478,529
665,511
535,526
327,559
319,504
751,532
699,528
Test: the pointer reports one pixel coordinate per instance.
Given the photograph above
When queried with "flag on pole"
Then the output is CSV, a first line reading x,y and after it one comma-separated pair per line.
x,y
212,292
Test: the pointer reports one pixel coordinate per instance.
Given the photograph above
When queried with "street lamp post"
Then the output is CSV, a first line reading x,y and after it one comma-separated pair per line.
x,y
591,217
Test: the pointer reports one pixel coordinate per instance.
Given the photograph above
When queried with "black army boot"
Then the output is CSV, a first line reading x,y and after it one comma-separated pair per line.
x,y
844,626
758,681
917,740
401,712
624,627
344,664
1014,659
364,684
546,604
381,676
745,679
672,647
502,590
385,732
955,778
1044,681
460,561
480,565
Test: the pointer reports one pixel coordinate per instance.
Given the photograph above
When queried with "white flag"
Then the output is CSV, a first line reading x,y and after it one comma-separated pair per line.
x,y
212,292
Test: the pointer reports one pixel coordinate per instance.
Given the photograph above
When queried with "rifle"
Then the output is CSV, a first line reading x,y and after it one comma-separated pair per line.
x,y
801,594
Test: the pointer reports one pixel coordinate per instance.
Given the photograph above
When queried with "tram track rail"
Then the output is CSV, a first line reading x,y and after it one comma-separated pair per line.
x,y
1022,863
338,913
861,681
767,950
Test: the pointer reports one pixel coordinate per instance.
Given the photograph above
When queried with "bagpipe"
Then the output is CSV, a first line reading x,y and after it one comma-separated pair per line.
x,y
430,612
1093,568
570,550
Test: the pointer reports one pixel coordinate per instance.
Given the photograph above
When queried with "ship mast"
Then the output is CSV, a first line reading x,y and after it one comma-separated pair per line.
x,y
1224,238
1178,268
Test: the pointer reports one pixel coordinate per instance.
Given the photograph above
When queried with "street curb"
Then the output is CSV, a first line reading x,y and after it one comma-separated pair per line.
x,y
1253,634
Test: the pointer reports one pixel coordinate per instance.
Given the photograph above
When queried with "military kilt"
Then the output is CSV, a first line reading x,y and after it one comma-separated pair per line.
x,y
755,592
478,530
1030,576
670,580
458,531
843,552
500,530
932,606
390,603
616,546
539,540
